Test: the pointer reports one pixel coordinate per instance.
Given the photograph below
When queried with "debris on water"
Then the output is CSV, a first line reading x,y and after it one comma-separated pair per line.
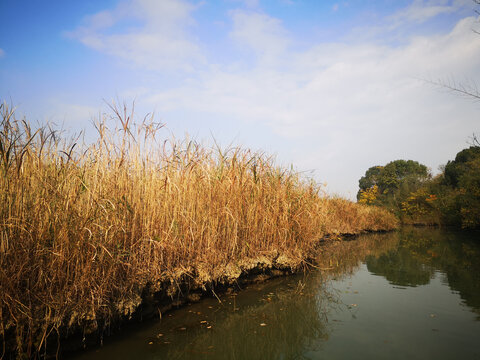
x,y
203,322
150,343
433,315
209,327
159,335
263,324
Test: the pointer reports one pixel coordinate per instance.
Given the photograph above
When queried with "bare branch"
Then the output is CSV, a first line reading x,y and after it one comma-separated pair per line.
x,y
469,90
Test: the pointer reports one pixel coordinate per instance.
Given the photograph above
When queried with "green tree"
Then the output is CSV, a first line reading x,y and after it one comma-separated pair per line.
x,y
395,182
462,165
461,192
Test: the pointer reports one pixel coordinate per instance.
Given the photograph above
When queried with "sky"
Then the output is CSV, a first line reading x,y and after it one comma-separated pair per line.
x,y
330,87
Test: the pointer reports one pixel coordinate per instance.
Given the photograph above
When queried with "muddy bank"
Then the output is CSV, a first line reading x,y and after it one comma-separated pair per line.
x,y
83,331
157,299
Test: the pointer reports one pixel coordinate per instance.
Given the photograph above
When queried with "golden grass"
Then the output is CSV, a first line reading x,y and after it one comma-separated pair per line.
x,y
84,229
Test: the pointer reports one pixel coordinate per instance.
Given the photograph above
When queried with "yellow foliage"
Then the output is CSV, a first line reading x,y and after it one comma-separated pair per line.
x,y
419,203
368,196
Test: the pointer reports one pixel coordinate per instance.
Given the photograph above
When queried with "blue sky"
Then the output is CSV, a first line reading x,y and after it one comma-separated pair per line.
x,y
332,87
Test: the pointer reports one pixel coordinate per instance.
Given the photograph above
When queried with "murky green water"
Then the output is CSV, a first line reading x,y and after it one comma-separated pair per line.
x,y
408,295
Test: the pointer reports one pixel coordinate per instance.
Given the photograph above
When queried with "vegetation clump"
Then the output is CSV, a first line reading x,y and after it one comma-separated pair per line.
x,y
391,185
450,198
86,229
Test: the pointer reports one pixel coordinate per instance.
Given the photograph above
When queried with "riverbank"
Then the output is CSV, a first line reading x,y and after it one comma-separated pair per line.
x,y
421,284
92,233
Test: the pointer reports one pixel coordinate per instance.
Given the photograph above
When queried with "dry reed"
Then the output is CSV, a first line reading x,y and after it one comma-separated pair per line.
x,y
84,229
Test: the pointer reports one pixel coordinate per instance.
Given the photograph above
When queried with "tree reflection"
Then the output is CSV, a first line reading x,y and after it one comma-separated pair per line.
x,y
422,251
400,268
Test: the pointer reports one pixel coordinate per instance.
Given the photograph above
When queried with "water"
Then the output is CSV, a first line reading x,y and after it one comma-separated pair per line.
x,y
413,294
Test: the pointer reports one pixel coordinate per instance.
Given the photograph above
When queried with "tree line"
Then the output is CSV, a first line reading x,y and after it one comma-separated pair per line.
x,y
407,188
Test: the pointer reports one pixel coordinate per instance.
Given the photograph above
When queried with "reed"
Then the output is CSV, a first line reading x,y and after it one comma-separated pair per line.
x,y
84,229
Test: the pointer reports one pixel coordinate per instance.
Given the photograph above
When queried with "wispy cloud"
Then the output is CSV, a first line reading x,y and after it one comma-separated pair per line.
x,y
421,11
339,107
249,3
2,53
348,105
151,34
259,32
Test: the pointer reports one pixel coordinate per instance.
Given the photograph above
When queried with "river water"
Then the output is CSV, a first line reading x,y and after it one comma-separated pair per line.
x,y
412,294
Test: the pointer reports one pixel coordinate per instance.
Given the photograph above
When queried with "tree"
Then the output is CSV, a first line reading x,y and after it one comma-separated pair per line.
x,y
393,176
461,166
391,184
462,179
368,196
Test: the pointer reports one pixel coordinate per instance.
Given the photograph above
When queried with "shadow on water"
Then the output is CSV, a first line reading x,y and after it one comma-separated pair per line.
x,y
294,317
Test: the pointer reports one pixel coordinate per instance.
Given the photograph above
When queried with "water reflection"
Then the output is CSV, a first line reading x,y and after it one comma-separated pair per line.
x,y
302,316
399,267
422,251
280,325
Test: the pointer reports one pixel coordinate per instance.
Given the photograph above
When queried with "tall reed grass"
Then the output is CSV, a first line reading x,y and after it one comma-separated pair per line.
x,y
84,229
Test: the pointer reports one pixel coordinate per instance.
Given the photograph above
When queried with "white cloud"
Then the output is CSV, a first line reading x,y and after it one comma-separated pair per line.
x,y
259,32
422,10
345,106
249,4
335,107
150,34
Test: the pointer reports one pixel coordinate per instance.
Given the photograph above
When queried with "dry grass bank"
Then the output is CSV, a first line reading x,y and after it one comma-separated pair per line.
x,y
84,229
